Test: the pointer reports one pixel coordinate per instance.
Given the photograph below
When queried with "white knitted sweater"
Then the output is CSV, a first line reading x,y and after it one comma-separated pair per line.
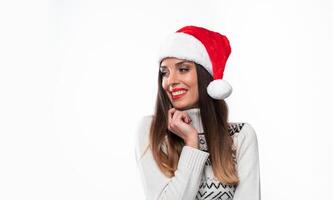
x,y
194,178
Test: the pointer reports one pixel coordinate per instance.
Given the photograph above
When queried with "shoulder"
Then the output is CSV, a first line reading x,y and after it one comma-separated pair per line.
x,y
235,127
242,132
142,135
245,139
239,129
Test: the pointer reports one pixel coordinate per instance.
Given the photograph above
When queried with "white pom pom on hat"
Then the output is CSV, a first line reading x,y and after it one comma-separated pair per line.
x,y
205,47
219,89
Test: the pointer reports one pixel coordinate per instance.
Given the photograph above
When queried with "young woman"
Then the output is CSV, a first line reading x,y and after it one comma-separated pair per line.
x,y
188,150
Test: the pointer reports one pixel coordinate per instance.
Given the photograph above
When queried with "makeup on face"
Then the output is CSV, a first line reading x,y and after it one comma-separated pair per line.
x,y
178,93
182,66
179,81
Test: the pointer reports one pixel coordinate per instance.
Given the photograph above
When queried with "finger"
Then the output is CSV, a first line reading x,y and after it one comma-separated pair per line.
x,y
180,116
189,120
175,120
185,117
175,123
170,116
180,123
171,112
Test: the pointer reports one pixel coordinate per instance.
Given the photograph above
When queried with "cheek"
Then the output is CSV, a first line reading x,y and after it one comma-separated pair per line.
x,y
195,93
192,82
165,87
194,86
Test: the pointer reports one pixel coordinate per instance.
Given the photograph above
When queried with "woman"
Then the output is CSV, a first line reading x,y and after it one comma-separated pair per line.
x,y
188,150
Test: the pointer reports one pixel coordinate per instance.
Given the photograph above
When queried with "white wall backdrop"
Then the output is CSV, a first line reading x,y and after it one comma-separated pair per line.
x,y
77,75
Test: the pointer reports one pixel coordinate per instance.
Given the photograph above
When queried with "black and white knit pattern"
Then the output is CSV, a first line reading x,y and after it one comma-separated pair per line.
x,y
210,188
235,128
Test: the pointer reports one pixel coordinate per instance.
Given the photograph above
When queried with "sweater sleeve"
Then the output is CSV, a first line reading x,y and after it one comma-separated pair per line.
x,y
184,185
247,164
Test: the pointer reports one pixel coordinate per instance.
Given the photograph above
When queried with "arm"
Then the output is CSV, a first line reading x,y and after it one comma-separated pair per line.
x,y
184,185
247,164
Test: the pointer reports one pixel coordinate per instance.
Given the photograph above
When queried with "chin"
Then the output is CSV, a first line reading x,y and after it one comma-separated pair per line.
x,y
182,106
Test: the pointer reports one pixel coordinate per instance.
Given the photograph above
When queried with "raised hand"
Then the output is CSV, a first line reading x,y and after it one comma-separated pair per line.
x,y
179,124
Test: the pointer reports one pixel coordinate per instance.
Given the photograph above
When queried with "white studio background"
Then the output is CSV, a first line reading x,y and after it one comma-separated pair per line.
x,y
76,76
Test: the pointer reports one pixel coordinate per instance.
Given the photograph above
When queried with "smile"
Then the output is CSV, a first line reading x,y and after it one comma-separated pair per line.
x,y
178,94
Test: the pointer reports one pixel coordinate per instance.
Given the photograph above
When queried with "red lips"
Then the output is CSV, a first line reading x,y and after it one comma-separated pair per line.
x,y
175,97
177,89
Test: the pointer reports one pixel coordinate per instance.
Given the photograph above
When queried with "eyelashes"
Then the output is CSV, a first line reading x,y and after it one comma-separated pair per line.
x,y
181,70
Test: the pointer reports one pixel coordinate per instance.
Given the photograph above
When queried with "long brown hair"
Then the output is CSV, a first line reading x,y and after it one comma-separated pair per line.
x,y
166,146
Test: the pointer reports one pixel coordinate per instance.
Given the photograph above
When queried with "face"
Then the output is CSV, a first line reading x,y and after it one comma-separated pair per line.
x,y
179,81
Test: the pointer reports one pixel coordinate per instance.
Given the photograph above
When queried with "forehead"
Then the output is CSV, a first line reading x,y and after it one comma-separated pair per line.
x,y
174,61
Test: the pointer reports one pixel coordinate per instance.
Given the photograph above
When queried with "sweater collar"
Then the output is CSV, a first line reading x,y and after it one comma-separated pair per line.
x,y
195,116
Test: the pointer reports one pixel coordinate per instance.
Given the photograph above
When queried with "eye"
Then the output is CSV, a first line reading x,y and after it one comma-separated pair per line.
x,y
163,72
183,69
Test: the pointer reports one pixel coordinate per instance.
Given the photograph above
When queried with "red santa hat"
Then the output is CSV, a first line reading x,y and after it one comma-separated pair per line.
x,y
205,47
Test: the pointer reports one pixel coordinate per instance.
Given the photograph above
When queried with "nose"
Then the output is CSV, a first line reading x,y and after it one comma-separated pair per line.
x,y
172,79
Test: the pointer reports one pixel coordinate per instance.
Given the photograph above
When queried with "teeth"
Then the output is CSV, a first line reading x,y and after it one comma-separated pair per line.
x,y
178,92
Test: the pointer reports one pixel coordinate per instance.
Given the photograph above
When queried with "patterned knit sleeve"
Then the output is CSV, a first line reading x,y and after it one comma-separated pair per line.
x,y
184,185
247,157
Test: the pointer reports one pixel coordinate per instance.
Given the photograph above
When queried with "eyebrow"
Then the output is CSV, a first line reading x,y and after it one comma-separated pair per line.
x,y
177,64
